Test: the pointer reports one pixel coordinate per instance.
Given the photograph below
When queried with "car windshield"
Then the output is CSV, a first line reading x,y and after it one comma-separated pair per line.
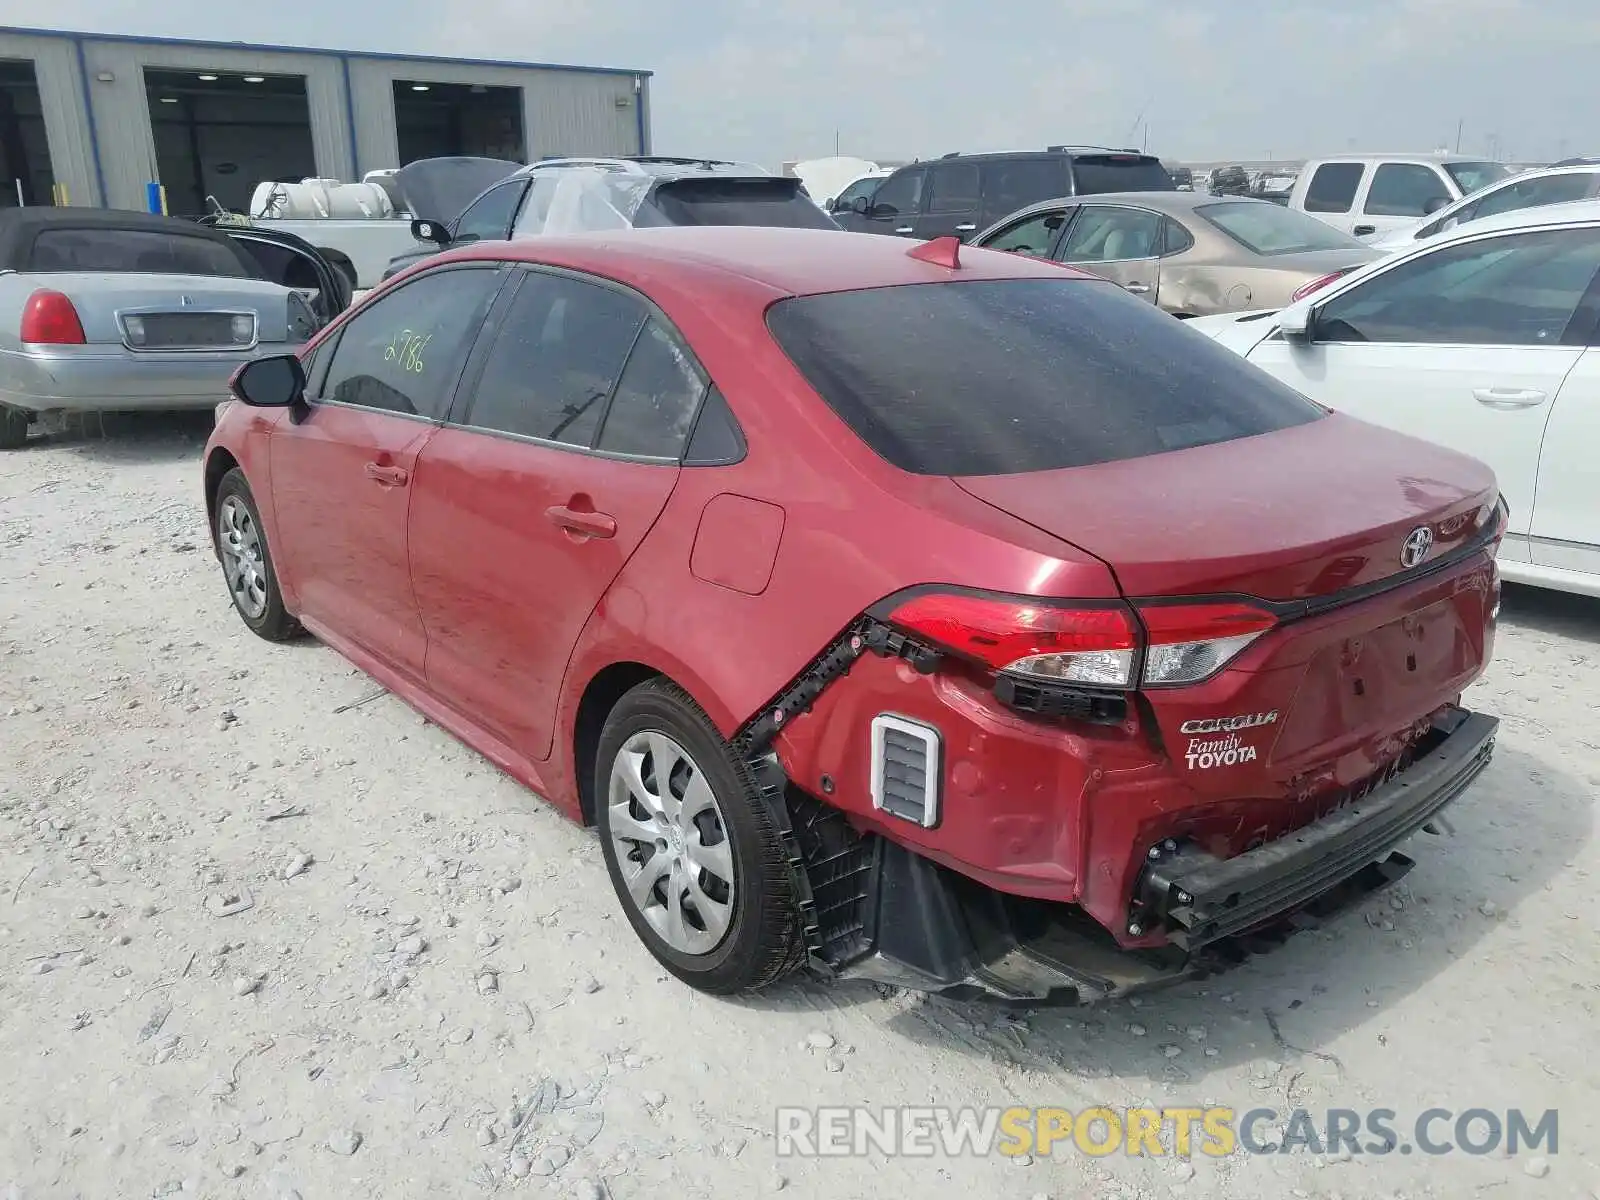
x,y
1264,228
773,201
120,250
996,377
1470,176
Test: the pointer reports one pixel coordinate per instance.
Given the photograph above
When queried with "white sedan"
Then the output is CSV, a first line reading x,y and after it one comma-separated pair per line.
x,y
1531,189
1485,339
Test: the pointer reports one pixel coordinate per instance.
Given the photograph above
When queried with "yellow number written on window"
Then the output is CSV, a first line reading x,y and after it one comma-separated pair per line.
x,y
405,350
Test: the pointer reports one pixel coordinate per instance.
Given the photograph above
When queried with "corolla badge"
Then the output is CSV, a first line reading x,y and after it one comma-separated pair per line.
x,y
1417,544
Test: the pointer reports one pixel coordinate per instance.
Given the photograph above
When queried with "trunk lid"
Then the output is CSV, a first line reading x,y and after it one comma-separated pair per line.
x,y
184,308
1293,515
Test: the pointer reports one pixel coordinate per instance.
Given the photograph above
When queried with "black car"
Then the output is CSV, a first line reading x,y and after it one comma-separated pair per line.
x,y
586,195
962,193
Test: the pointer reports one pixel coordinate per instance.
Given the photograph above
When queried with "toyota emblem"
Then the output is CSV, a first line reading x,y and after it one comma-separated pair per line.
x,y
1417,544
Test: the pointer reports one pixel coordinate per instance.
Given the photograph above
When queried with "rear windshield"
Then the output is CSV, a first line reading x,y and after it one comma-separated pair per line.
x,y
133,250
1267,229
1097,173
999,377
777,202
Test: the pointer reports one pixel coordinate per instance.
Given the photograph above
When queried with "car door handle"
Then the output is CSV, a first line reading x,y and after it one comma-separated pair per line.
x,y
904,229
589,524
1364,230
388,476
1137,289
969,227
1508,398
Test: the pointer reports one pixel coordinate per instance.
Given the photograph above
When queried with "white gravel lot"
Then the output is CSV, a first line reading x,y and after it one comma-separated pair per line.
x,y
445,1001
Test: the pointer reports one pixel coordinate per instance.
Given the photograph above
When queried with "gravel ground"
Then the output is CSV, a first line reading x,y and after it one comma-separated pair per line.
x,y
266,933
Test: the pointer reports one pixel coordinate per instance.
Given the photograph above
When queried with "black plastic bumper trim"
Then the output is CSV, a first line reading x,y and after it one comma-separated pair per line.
x,y
1201,899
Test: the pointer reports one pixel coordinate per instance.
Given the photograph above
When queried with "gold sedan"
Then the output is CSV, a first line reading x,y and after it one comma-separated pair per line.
x,y
1191,253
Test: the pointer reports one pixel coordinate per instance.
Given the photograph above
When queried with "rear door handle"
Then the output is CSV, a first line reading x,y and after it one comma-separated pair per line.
x,y
388,476
589,524
1508,398
1137,289
1364,230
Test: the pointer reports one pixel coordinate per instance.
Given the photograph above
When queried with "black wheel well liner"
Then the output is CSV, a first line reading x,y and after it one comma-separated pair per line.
x,y
608,686
217,465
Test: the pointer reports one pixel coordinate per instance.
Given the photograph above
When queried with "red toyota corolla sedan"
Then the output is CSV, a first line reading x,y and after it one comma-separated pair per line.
x,y
927,614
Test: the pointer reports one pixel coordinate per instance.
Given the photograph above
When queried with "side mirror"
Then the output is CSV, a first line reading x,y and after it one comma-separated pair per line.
x,y
1297,324
430,231
1434,205
861,206
276,381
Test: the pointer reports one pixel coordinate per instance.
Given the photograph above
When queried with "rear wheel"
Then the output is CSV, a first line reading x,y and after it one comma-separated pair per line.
x,y
247,563
13,427
691,848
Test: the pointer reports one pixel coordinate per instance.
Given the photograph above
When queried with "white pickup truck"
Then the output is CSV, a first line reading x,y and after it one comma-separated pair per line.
x,y
1370,195
360,227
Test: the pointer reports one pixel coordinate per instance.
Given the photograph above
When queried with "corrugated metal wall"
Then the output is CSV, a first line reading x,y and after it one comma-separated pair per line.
x,y
66,119
563,111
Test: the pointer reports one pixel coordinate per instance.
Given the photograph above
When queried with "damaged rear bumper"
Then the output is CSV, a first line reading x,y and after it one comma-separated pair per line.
x,y
878,911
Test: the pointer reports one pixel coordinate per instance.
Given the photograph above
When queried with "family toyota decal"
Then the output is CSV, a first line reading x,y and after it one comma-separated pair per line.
x,y
1211,1132
1228,750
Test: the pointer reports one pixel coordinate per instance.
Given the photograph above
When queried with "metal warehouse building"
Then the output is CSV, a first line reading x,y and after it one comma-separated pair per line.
x,y
94,119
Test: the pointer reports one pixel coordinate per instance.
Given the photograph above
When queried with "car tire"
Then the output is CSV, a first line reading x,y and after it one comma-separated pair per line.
x,y
13,427
750,933
247,570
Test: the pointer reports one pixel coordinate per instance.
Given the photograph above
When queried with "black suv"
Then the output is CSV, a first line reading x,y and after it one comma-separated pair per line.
x,y
962,193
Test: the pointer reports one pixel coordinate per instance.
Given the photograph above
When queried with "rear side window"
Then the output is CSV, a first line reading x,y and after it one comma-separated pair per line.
x,y
134,250
556,360
1097,174
653,411
772,202
1010,184
1005,376
1333,187
953,188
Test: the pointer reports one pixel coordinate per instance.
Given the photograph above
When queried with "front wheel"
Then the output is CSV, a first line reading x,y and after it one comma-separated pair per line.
x,y
691,847
13,427
247,563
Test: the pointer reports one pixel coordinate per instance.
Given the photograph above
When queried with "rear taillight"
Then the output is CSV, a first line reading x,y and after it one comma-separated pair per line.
x,y
48,319
1094,645
1317,284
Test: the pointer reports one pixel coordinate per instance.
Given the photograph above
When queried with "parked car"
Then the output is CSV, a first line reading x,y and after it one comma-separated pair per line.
x,y
1479,339
563,196
1188,252
1375,194
102,310
862,187
785,558
960,194
1531,189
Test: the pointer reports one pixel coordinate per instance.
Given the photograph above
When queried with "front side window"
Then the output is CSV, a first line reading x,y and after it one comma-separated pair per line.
x,y
657,398
140,250
1107,233
1515,290
1404,190
996,377
489,218
1333,187
900,195
556,360
403,353
861,189
1032,236
953,188
1470,176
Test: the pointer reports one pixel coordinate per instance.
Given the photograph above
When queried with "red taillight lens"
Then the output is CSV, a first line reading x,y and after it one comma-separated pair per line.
x,y
1316,285
1070,645
1191,642
48,319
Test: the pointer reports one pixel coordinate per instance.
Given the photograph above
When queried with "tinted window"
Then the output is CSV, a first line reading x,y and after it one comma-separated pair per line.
x,y
1098,173
1177,239
1470,176
1013,183
281,264
717,440
996,377
953,187
900,194
1033,236
1107,233
863,188
1530,193
657,398
1333,187
777,202
1517,290
403,353
1404,190
489,218
1267,229
555,360
134,250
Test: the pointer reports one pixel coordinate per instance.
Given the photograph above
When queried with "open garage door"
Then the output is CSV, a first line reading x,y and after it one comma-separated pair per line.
x,y
448,120
26,174
219,134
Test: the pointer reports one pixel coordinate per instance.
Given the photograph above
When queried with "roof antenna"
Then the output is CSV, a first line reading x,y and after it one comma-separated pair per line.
x,y
941,252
